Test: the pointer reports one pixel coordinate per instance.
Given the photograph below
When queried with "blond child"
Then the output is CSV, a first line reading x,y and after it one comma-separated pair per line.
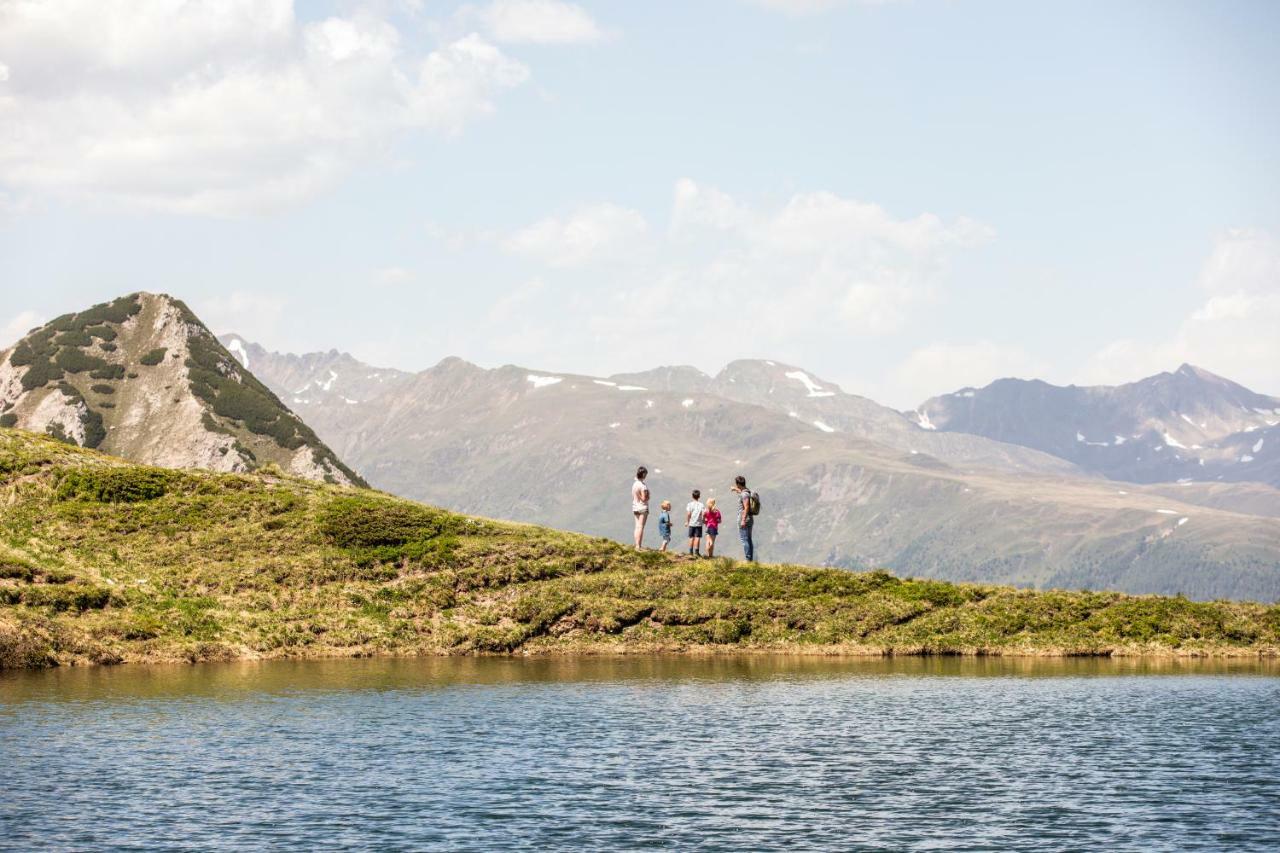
x,y
711,518
664,525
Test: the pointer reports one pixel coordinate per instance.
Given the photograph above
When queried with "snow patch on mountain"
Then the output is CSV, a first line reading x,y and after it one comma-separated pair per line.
x,y
543,381
922,420
238,350
814,389
820,425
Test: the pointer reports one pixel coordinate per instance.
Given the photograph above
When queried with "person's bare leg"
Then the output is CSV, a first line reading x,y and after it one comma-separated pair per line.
x,y
663,546
711,546
640,520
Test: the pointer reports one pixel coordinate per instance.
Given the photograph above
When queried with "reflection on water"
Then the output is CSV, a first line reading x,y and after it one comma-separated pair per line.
x,y
742,752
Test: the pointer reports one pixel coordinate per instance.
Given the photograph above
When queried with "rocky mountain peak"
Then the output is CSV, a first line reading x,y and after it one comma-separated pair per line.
x,y
142,377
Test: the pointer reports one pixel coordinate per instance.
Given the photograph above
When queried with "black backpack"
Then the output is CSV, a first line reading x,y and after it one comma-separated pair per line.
x,y
753,504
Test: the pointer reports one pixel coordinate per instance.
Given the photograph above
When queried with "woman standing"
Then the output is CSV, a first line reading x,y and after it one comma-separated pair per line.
x,y
640,504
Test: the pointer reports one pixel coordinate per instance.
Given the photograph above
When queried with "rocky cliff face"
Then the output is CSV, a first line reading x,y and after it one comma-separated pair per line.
x,y
141,377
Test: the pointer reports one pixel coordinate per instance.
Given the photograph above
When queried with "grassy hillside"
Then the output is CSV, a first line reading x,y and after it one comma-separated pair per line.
x,y
104,561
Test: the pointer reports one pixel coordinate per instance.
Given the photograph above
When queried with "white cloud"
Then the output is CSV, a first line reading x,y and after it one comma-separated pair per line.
x,y
219,107
537,22
838,258
591,233
1234,332
17,327
944,367
729,277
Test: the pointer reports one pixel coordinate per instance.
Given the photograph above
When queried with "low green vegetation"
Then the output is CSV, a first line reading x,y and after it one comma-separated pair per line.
x,y
103,561
153,357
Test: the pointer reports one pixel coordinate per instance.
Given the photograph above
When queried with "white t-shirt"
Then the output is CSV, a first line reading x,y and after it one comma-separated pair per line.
x,y
638,502
695,510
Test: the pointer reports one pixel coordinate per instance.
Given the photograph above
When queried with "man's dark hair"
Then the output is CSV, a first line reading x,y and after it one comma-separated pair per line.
x,y
696,494
740,481
642,472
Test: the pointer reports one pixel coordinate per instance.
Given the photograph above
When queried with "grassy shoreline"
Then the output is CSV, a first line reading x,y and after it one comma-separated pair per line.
x,y
106,562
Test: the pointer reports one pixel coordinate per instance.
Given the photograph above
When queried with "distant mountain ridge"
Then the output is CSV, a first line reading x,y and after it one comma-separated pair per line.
x,y
847,482
142,378
1186,425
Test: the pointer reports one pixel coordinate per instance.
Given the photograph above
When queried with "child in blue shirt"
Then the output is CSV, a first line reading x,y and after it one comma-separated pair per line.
x,y
664,525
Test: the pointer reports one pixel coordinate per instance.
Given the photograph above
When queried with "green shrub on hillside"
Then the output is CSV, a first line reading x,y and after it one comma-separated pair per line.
x,y
102,389
154,357
116,311
116,485
73,338
56,432
111,371
36,354
358,522
75,596
104,333
74,360
8,419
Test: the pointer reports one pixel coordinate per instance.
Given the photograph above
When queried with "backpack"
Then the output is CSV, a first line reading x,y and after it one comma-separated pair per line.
x,y
753,504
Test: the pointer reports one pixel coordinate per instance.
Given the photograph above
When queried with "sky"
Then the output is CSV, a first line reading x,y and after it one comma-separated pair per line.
x,y
904,198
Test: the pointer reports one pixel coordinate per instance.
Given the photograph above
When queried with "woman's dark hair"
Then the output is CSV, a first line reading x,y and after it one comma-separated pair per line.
x,y
642,472
696,494
740,481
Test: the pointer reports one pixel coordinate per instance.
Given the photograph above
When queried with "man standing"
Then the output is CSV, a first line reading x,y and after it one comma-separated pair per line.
x,y
640,504
746,521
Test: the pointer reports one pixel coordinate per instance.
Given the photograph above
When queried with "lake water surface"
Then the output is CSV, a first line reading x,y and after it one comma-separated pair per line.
x,y
738,753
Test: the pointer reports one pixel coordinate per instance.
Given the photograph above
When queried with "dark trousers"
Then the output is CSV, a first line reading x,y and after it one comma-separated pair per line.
x,y
748,547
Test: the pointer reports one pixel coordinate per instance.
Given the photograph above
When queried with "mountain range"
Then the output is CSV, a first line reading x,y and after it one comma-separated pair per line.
x,y
847,482
1189,425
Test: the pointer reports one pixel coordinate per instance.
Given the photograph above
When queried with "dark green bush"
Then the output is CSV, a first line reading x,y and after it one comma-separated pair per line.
x,y
73,338
76,596
76,361
16,569
107,346
116,311
105,333
358,522
111,371
116,485
36,353
8,419
154,357
102,389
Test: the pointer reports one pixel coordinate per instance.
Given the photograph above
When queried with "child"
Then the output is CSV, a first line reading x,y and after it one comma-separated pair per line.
x,y
712,519
693,517
664,525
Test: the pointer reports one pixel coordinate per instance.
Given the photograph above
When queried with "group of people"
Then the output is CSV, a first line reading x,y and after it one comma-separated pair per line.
x,y
702,521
